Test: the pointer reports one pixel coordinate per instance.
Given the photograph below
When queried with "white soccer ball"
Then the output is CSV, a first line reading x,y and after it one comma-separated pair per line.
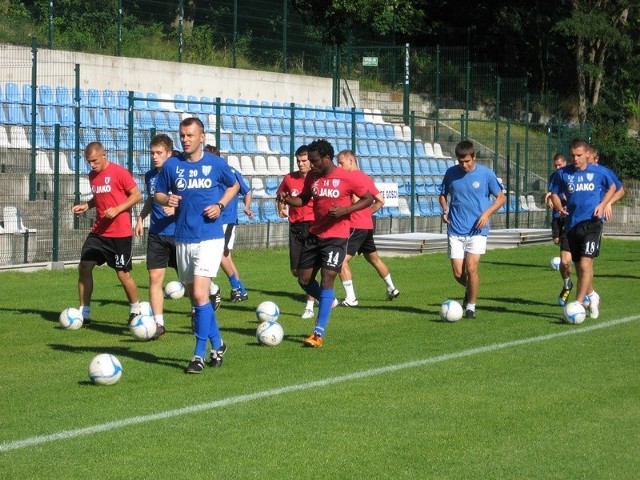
x,y
555,263
450,311
267,310
145,309
574,313
270,333
174,290
71,318
105,369
143,327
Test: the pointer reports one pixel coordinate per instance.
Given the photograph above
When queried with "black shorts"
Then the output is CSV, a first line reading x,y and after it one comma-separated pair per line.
x,y
325,253
229,229
161,252
115,252
298,233
557,226
584,239
360,241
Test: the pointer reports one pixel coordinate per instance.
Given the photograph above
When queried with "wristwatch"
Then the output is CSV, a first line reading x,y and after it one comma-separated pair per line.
x,y
220,206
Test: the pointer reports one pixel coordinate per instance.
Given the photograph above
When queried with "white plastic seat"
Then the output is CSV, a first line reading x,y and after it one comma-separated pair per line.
x,y
273,165
246,166
234,162
257,188
260,165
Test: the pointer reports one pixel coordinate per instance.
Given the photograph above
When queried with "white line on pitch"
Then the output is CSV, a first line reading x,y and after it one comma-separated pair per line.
x,y
104,427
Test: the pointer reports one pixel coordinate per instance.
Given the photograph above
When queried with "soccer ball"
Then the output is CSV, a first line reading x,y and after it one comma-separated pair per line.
x,y
105,369
143,327
145,309
71,318
270,333
174,290
574,313
555,263
267,311
450,311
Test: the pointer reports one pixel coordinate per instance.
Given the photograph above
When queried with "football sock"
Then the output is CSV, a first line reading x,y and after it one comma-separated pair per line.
x,y
234,281
159,319
471,306
568,283
85,310
349,290
243,290
309,304
202,315
214,332
134,307
313,289
324,310
389,282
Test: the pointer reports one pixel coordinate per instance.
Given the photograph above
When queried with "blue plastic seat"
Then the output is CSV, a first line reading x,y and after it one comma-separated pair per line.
x,y
144,120
380,133
26,93
264,125
370,130
277,110
240,124
309,128
207,105
341,128
12,92
193,104
44,138
376,167
86,118
442,166
123,99
405,167
230,107
109,99
265,109
382,148
373,148
385,165
16,114
275,125
152,101
243,107
45,95
179,102
252,125
94,99
363,148
392,147
321,130
395,166
49,115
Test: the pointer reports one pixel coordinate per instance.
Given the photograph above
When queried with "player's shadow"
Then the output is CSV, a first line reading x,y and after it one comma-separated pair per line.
x,y
298,294
516,264
124,352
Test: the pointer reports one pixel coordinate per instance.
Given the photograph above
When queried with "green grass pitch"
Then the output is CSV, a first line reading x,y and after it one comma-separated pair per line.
x,y
393,393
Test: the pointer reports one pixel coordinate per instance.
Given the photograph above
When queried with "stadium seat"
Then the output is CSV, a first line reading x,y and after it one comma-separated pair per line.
x,y
250,144
430,186
16,114
252,125
271,185
373,148
207,105
405,167
18,137
246,166
234,162
262,144
285,165
4,138
265,109
437,150
404,150
376,167
362,150
243,108
260,165
385,165
269,213
365,165
243,218
45,95
257,188
392,147
27,92
116,118
320,129
254,108
428,149
49,115
442,167
273,166
179,102
370,130
240,124
12,93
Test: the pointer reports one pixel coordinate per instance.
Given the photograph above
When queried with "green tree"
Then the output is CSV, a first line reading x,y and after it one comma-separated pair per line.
x,y
595,29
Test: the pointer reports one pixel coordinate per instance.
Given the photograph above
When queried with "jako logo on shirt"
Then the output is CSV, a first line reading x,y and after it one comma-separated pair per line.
x,y
106,188
324,190
475,185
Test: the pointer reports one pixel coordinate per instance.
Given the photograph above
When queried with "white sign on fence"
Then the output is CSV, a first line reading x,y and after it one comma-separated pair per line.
x,y
389,192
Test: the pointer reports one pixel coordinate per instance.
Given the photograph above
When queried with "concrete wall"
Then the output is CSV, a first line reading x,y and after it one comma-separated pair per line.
x,y
120,73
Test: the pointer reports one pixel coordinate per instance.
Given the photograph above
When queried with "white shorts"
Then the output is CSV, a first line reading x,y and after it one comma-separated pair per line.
x,y
202,259
229,235
459,246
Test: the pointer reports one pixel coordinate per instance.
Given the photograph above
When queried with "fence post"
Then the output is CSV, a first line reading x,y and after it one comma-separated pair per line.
x,y
56,193
407,85
412,120
76,144
130,112
436,133
285,21
34,110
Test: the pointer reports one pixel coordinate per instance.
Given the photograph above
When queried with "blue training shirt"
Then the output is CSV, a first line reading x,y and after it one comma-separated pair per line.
x,y
230,213
469,196
584,190
200,184
159,222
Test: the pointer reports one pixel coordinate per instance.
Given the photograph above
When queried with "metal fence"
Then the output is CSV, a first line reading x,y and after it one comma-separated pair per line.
x,y
44,127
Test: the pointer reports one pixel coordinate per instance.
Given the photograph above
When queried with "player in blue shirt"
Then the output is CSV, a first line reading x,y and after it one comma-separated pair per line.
x,y
229,222
198,185
161,246
588,189
469,187
558,233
